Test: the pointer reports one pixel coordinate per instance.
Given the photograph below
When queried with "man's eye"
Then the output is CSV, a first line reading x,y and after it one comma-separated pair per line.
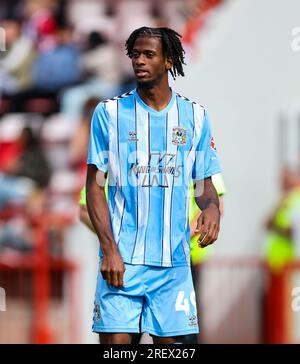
x,y
134,54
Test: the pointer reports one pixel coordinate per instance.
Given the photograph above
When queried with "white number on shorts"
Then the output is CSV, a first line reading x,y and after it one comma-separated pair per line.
x,y
182,304
193,298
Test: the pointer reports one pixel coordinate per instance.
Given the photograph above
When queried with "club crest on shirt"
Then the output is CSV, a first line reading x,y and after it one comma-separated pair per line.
x,y
179,136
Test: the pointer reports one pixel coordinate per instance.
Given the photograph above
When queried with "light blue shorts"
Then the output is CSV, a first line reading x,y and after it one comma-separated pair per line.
x,y
156,300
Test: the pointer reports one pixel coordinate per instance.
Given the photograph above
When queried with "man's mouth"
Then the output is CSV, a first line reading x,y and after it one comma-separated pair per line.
x,y
141,73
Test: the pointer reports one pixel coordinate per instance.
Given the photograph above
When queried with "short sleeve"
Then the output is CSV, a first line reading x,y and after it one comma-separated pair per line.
x,y
99,139
206,162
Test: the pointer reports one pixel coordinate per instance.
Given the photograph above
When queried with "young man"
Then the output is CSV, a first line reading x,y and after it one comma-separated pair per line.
x,y
198,255
150,142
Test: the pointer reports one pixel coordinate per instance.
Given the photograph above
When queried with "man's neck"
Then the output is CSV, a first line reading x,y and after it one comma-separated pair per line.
x,y
156,97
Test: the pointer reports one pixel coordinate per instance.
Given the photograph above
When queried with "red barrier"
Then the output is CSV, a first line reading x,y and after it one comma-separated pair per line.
x,y
243,301
36,269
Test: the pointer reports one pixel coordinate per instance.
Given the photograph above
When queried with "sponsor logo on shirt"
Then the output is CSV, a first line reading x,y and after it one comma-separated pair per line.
x,y
159,164
212,144
132,137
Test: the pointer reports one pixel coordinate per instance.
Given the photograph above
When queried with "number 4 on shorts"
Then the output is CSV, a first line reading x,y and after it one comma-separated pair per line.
x,y
183,304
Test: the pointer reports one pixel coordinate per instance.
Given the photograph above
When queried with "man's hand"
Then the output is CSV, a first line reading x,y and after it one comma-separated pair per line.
x,y
208,225
113,268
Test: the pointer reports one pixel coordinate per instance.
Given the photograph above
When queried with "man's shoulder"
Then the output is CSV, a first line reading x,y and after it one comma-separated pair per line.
x,y
116,99
187,100
109,108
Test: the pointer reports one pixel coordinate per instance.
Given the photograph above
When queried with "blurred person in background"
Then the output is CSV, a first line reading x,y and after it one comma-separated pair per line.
x,y
279,244
58,67
39,23
280,250
16,61
198,254
80,140
25,178
100,67
41,58
53,69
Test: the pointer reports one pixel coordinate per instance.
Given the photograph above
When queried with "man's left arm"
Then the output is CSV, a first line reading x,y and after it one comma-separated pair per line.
x,y
206,165
208,224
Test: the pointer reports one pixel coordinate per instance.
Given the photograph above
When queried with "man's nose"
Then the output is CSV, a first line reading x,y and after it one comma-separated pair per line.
x,y
140,60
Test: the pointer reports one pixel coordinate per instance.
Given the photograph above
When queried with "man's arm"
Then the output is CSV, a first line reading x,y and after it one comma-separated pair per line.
x,y
208,224
194,223
112,267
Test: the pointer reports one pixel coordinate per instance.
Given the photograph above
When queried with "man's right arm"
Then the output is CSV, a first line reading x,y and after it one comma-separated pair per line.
x,y
112,267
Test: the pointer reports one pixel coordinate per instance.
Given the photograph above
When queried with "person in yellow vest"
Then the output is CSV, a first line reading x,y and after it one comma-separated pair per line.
x,y
279,247
198,254
83,212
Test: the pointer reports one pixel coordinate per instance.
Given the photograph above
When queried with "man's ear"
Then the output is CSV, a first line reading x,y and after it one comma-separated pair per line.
x,y
168,63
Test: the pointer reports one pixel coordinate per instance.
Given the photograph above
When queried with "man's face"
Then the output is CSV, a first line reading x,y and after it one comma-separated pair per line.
x,y
148,61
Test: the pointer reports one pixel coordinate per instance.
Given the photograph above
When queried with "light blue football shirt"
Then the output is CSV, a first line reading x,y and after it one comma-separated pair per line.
x,y
150,157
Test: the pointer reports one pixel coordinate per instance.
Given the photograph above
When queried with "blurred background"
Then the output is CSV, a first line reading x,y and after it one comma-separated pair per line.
x,y
58,59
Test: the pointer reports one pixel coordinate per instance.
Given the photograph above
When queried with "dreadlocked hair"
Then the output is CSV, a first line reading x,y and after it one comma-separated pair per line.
x,y
171,45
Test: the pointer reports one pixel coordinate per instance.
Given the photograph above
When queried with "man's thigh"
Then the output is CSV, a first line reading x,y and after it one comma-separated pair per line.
x,y
118,310
170,306
112,338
